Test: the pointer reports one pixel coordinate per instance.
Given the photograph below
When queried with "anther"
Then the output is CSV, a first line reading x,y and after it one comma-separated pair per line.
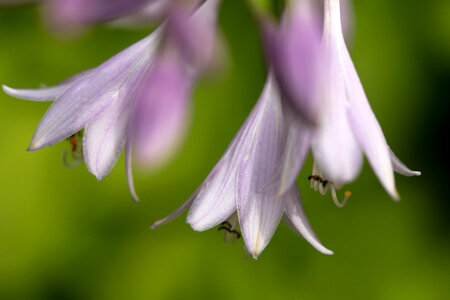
x,y
347,195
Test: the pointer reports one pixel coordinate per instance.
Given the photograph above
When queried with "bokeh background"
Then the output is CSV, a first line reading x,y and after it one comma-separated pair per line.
x,y
63,235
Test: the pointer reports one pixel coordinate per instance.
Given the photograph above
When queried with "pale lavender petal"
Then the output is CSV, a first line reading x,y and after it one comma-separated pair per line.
x,y
162,112
347,17
299,137
47,93
400,167
363,122
297,220
335,147
216,199
88,98
151,13
195,34
259,209
70,13
296,53
128,166
105,138
177,212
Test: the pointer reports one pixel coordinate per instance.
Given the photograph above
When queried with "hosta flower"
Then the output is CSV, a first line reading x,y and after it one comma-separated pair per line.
x,y
243,182
345,126
70,15
138,96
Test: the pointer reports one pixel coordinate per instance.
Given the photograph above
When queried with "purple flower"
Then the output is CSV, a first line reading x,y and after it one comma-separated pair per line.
x,y
140,95
70,16
243,182
346,126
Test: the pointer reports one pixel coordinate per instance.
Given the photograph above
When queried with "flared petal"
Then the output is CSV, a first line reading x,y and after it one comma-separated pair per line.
x,y
162,112
177,212
88,98
152,13
216,198
69,14
48,93
129,165
299,137
105,138
363,122
400,167
296,53
297,220
195,33
259,209
335,147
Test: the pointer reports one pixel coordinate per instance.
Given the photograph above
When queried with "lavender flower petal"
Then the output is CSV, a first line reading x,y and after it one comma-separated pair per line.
x,y
335,148
216,198
298,141
177,212
259,209
162,111
48,93
363,122
297,220
400,167
88,98
296,53
81,12
196,35
128,165
215,201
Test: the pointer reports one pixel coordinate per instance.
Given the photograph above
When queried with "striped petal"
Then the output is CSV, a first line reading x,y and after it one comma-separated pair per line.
x,y
297,220
298,142
216,198
88,98
46,94
363,122
259,208
400,167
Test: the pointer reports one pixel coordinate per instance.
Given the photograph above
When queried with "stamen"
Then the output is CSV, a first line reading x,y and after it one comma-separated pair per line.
x,y
322,185
76,161
347,195
231,227
76,152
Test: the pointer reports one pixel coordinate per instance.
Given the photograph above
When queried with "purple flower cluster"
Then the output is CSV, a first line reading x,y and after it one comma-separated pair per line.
x,y
138,100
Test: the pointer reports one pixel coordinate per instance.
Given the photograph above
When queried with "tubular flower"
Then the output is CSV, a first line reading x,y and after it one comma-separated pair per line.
x,y
123,100
346,126
243,182
73,15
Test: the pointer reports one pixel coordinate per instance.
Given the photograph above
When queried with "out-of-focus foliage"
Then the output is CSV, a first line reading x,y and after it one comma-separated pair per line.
x,y
63,235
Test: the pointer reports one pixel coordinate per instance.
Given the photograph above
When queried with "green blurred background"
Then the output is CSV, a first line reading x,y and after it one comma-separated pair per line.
x,y
63,235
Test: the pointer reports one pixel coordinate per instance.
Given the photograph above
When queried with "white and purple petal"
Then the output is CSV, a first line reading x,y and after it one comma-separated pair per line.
x,y
297,220
363,122
259,208
89,97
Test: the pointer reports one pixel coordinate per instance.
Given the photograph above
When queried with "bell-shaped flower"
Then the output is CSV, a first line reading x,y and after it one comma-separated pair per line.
x,y
346,126
70,16
295,52
123,100
243,181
